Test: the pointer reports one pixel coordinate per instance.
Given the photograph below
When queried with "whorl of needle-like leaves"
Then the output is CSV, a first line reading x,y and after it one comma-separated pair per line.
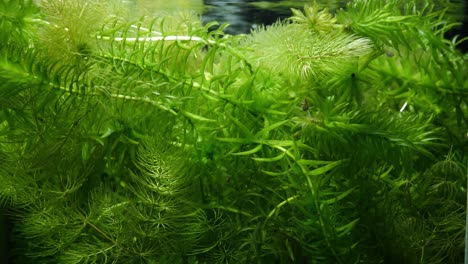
x,y
162,187
69,27
161,170
399,24
296,50
317,20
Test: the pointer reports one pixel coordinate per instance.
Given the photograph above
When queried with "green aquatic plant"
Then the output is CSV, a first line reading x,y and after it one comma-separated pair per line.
x,y
325,138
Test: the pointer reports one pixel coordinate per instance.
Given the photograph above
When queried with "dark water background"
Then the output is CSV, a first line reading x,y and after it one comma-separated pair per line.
x,y
242,15
245,15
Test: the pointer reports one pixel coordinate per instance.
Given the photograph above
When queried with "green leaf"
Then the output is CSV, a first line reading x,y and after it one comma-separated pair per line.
x,y
85,152
290,251
235,140
324,169
345,229
272,159
313,162
276,143
264,131
273,173
195,117
339,197
243,128
108,132
249,152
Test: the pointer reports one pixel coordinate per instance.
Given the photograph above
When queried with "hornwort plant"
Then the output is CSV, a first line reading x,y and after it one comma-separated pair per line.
x,y
324,138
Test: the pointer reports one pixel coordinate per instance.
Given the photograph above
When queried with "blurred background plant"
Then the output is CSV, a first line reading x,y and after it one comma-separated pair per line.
x,y
330,137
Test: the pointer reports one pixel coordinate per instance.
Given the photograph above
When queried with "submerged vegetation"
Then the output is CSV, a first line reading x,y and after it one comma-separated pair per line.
x,y
325,138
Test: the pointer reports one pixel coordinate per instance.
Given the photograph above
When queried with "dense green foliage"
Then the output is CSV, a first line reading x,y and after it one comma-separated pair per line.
x,y
320,139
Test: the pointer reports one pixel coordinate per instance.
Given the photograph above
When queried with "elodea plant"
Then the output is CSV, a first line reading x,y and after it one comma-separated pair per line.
x,y
325,138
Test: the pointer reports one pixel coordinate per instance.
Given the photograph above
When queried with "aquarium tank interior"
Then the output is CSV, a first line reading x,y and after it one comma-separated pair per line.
x,y
304,132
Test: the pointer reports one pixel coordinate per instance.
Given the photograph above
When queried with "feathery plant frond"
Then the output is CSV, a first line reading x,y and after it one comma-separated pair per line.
x,y
18,22
317,20
156,221
390,24
69,27
426,73
302,49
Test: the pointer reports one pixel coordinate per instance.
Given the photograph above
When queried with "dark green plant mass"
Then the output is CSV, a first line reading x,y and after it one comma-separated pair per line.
x,y
325,138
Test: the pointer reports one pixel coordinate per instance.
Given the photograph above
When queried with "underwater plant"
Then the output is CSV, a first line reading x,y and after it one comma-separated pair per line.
x,y
324,138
